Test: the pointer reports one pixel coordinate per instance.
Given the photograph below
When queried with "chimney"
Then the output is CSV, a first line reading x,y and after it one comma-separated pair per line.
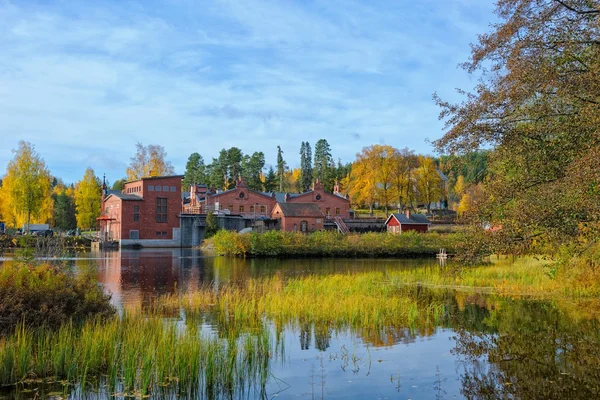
x,y
336,187
407,213
287,197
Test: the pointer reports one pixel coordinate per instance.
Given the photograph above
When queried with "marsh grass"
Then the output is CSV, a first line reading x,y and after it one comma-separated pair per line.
x,y
358,301
137,355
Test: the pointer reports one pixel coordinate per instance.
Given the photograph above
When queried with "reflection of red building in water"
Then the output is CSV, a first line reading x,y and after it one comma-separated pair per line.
x,y
145,212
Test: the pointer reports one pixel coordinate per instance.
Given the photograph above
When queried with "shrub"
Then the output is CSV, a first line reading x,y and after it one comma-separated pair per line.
x,y
37,295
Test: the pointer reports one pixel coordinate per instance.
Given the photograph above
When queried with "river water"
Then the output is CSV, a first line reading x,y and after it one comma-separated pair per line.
x,y
484,346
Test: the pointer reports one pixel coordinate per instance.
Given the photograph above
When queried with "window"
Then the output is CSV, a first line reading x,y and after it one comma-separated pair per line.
x,y
242,194
158,188
136,213
173,189
161,209
158,233
241,209
164,233
134,235
328,211
318,197
230,207
251,209
295,227
263,209
151,188
303,226
337,211
165,188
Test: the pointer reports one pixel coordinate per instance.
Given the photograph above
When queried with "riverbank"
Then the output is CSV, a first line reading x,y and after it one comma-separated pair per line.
x,y
43,245
332,244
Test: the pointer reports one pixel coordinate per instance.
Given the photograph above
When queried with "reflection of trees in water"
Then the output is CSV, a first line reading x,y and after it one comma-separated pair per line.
x,y
537,352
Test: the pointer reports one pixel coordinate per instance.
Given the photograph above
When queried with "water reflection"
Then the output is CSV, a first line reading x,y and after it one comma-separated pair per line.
x,y
482,346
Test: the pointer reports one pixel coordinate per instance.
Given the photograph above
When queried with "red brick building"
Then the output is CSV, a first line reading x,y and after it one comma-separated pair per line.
x,y
398,223
145,212
240,200
331,204
298,217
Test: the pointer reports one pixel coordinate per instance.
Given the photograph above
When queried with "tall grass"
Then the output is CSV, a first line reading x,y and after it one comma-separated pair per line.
x,y
137,355
332,244
360,301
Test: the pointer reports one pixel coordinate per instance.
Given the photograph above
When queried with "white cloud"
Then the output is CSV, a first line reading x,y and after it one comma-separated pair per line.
x,y
85,84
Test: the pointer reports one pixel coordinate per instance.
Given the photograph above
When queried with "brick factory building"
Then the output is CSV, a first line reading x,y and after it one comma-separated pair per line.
x,y
146,213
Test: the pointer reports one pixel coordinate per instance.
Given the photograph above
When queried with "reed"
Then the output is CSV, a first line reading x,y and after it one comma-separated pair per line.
x,y
137,355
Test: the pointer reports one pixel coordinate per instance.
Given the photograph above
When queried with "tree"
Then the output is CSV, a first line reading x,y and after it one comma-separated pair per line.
x,y
218,176
119,184
537,104
324,167
281,167
64,207
429,182
88,195
459,186
252,169
271,181
234,166
149,161
306,170
26,188
403,179
195,171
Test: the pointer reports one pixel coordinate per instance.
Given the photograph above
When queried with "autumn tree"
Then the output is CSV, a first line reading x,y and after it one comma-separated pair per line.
x,y
538,106
403,177
195,171
429,182
26,188
88,195
149,161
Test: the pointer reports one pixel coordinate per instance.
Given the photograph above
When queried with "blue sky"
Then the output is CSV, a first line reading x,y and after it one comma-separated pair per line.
x,y
84,81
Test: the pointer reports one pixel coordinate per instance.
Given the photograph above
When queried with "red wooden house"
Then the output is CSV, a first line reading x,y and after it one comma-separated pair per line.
x,y
398,223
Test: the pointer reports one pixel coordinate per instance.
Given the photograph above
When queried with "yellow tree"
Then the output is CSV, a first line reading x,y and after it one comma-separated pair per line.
x,y
88,195
429,182
370,177
405,162
149,161
26,188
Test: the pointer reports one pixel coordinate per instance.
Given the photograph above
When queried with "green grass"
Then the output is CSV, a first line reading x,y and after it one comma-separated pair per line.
x,y
137,355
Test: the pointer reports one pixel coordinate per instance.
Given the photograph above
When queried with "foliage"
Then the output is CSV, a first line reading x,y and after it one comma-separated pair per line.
x,y
306,169
281,167
429,182
324,167
195,171
252,170
64,207
332,244
88,196
148,161
119,184
36,295
212,224
537,104
270,181
26,188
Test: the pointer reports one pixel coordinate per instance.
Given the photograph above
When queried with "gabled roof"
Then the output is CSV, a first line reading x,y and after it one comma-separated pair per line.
x,y
310,192
300,210
148,178
414,219
124,196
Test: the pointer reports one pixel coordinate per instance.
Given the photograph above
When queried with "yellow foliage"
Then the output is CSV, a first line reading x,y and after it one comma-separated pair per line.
x,y
88,196
26,188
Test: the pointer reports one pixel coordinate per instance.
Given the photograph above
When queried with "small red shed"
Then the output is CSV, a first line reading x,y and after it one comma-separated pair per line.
x,y
398,223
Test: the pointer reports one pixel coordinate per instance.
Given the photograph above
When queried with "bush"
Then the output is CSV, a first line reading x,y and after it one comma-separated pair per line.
x,y
37,295
332,244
